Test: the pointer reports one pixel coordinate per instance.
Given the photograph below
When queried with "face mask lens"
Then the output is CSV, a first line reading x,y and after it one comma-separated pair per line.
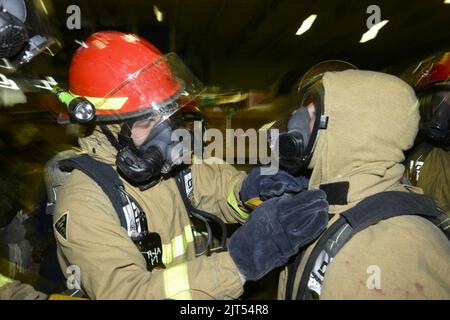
x,y
147,123
293,142
140,129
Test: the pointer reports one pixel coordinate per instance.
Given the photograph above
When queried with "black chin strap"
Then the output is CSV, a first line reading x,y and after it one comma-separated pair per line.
x,y
111,138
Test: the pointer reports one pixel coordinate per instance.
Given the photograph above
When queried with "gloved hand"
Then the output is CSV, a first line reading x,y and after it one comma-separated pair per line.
x,y
276,230
269,186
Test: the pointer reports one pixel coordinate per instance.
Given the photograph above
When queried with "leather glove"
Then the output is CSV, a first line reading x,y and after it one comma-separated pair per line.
x,y
276,230
269,186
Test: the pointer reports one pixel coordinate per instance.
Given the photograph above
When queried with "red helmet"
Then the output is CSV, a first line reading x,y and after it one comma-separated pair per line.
x,y
125,76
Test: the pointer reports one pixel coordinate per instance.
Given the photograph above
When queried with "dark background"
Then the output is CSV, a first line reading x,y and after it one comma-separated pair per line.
x,y
252,43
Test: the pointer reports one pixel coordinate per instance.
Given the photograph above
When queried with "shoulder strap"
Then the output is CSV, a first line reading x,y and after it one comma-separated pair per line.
x,y
131,216
368,212
105,177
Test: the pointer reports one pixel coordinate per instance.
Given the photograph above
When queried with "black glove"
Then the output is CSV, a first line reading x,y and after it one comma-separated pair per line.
x,y
276,230
269,186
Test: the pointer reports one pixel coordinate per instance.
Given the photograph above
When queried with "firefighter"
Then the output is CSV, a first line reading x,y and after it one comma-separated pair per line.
x,y
385,240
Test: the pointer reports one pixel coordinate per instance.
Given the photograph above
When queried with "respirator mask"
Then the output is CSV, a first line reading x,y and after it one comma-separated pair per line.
x,y
299,129
152,147
298,132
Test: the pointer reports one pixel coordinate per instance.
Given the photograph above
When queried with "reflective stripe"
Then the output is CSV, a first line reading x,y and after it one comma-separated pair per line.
x,y
177,247
167,254
176,282
188,233
232,201
4,280
106,104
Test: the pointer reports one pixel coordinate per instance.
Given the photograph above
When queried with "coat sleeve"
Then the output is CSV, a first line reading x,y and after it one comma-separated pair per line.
x,y
110,265
216,190
15,290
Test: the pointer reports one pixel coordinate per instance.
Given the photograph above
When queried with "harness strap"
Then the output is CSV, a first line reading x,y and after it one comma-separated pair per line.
x,y
131,215
197,213
368,212
105,177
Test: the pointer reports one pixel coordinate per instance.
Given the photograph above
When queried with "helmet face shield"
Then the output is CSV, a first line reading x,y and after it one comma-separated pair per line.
x,y
159,89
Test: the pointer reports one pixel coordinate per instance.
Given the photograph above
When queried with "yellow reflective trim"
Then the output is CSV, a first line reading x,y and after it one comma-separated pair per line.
x,y
176,282
4,280
106,104
177,247
188,233
167,253
232,201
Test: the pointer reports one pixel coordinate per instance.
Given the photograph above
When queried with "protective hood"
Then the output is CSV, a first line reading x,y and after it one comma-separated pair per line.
x,y
373,119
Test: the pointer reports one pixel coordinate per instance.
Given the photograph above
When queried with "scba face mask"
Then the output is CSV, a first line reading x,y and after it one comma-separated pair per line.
x,y
156,154
299,132
298,136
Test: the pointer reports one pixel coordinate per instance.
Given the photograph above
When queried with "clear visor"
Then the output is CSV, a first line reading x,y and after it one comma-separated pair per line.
x,y
150,96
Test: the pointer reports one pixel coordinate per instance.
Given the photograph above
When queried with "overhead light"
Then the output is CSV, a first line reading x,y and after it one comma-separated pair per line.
x,y
43,7
373,31
158,14
447,1
306,24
